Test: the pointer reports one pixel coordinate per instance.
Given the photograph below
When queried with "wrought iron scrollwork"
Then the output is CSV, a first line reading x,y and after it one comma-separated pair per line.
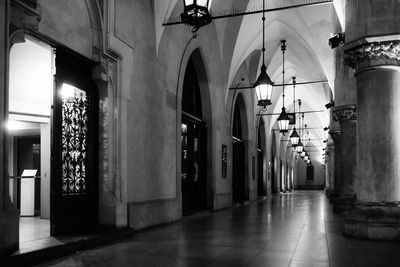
x,y
74,138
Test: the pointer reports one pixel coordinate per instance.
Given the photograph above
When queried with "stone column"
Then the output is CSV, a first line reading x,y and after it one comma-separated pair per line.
x,y
329,159
372,50
377,184
345,157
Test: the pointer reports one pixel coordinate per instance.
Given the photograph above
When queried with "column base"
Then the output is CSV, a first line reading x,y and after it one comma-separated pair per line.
x,y
343,202
374,220
332,194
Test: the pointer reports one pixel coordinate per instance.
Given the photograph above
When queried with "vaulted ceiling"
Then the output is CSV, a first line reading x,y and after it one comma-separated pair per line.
x,y
308,55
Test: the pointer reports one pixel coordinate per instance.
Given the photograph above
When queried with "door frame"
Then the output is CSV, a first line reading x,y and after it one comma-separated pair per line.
x,y
58,221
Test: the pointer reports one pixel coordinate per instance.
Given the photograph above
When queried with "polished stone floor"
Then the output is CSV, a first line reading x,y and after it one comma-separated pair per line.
x,y
293,229
33,228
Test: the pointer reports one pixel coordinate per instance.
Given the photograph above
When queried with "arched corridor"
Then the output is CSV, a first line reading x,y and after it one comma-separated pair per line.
x,y
293,229
236,127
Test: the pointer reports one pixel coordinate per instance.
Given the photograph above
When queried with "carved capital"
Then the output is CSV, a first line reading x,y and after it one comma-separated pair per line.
x,y
329,149
344,114
335,135
379,53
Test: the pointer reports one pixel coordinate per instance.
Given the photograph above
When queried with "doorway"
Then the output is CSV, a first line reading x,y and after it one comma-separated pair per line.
x,y
261,188
28,135
238,162
194,145
273,178
43,124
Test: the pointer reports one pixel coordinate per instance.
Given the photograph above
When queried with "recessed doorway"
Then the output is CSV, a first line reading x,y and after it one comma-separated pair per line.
x,y
28,127
194,145
52,141
239,185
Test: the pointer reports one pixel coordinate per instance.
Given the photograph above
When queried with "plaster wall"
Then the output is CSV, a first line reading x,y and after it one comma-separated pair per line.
x,y
319,176
56,15
154,190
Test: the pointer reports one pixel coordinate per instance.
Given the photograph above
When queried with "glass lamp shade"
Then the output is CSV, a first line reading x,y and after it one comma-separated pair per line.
x,y
305,141
303,153
283,121
294,137
196,13
263,87
306,157
299,147
203,3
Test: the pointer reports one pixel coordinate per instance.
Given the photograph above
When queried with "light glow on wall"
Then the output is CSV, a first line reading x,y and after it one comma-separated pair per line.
x,y
340,11
67,91
13,125
31,77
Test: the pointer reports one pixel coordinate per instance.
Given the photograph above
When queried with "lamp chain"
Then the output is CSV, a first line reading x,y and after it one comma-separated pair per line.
x,y
263,19
294,98
299,120
283,48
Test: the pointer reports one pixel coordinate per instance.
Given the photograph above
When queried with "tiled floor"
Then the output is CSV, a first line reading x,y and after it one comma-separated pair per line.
x,y
34,234
295,229
33,228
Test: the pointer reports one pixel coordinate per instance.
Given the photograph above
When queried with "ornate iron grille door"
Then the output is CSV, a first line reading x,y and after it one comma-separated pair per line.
x,y
74,138
74,181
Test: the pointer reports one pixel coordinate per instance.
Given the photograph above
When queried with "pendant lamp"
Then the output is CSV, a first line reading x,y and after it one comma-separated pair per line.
x,y
195,13
294,137
263,84
283,119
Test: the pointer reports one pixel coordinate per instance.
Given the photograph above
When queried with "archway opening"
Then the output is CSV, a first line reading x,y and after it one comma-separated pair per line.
x,y
51,141
261,188
239,187
194,145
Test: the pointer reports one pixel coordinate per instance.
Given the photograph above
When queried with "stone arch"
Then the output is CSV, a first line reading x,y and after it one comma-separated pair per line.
x,y
196,59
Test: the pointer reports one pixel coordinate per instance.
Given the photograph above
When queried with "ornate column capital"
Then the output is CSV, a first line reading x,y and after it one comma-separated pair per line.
x,y
345,114
373,54
335,135
329,149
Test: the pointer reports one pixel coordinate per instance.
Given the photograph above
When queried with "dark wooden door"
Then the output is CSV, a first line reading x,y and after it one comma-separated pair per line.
x,y
193,174
74,148
260,180
238,179
273,177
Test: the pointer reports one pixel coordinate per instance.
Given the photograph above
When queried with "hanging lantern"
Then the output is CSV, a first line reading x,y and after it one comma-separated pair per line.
x,y
294,137
299,147
263,87
303,153
283,121
306,157
195,13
